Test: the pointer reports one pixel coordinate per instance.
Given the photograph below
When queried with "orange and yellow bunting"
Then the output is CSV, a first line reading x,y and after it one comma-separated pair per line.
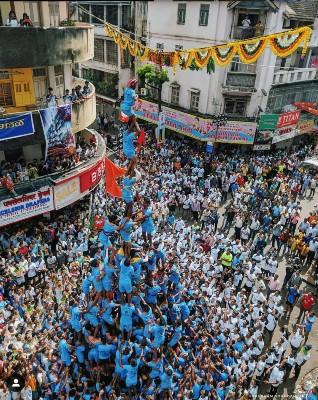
x,y
282,44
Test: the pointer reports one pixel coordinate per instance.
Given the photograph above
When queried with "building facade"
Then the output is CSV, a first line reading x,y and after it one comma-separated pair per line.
x,y
239,90
110,68
26,71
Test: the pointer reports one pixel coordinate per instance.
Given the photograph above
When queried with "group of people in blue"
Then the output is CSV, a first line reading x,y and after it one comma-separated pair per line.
x,y
140,333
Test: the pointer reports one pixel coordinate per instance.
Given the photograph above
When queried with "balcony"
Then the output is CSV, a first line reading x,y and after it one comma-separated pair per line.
x,y
49,180
299,75
242,33
39,46
239,82
83,114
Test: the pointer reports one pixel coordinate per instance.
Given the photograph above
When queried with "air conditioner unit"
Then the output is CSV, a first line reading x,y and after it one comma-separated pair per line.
x,y
143,91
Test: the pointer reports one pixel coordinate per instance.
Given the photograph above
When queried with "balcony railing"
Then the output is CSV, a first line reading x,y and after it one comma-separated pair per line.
x,y
84,113
47,180
299,75
38,46
240,82
241,33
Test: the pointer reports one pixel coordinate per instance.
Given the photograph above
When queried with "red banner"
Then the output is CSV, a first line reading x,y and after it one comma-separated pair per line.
x,y
92,176
309,107
289,118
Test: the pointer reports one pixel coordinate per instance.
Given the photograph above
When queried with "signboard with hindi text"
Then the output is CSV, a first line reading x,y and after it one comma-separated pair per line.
x,y
16,126
236,132
26,206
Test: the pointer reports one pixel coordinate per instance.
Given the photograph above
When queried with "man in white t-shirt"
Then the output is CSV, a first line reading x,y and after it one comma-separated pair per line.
x,y
275,378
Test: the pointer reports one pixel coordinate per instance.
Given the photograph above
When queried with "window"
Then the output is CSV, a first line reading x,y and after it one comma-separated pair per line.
x,y
194,101
299,76
237,66
111,53
98,12
292,76
18,88
59,80
160,46
54,13
182,8
204,14
178,47
125,59
235,106
5,95
125,17
175,92
83,16
4,75
99,53
58,69
112,14
39,72
26,87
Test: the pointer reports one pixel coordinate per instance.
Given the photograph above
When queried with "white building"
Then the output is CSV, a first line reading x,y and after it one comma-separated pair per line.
x,y
236,90
110,68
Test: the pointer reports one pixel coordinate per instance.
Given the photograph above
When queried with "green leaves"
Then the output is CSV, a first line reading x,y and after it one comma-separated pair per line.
x,y
153,76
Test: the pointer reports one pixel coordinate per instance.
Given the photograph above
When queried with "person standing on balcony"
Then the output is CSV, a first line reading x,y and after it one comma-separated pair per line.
x,y
51,99
259,29
25,21
246,24
12,20
86,91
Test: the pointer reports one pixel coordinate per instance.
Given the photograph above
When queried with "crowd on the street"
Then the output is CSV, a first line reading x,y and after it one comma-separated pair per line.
x,y
160,295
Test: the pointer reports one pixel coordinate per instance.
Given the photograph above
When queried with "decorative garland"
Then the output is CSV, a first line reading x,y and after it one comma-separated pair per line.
x,y
282,44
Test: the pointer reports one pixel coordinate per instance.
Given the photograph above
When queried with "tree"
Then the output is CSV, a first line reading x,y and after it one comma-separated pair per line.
x,y
154,78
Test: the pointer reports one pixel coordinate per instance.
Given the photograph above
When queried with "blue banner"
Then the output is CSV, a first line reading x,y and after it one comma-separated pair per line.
x,y
17,126
57,127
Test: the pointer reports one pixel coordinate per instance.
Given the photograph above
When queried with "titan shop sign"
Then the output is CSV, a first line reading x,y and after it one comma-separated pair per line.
x,y
289,118
92,176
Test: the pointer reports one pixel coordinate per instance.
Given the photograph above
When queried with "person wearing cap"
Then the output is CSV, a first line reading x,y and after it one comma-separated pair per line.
x,y
301,358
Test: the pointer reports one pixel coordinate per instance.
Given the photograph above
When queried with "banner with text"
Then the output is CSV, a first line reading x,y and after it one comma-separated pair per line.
x,y
57,127
16,127
92,176
26,206
235,132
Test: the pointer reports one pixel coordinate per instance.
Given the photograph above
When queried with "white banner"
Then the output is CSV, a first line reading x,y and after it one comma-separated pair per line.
x,y
26,206
67,192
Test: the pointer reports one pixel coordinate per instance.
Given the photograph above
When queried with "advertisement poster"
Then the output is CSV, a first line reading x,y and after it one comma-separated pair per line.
x,y
26,206
288,119
67,192
57,127
235,132
17,126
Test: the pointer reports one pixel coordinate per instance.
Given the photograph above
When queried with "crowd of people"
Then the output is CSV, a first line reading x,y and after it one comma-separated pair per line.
x,y
77,95
21,171
12,20
160,295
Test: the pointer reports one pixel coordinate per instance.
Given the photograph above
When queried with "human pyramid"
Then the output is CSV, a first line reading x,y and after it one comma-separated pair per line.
x,y
162,320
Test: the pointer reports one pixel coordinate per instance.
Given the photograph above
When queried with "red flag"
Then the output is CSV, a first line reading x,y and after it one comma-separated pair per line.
x,y
141,140
112,172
